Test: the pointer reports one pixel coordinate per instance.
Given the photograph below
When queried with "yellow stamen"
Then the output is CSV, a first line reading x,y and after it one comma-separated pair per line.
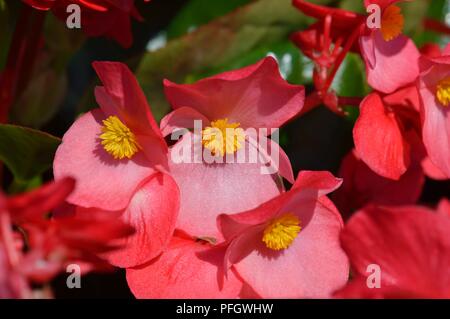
x,y
392,23
281,232
223,137
117,139
443,92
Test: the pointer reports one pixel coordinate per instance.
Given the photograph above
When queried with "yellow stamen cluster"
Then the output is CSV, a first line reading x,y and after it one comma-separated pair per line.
x,y
392,23
117,139
223,137
443,92
281,232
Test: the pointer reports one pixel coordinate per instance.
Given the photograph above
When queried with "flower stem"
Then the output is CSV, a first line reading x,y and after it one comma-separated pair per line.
x,y
436,26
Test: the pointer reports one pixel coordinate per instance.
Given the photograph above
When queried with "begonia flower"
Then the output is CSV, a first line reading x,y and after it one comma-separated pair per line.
x,y
288,247
434,88
113,150
35,246
116,153
362,186
398,252
228,106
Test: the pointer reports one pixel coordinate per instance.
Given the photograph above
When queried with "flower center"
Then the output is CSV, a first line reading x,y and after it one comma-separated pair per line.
x,y
223,137
281,232
443,92
392,23
117,139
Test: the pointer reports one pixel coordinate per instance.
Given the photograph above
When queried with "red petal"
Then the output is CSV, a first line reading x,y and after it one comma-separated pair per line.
x,y
378,139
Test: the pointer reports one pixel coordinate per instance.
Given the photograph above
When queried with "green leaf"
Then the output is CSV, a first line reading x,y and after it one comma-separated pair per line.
x,y
26,152
350,81
212,46
200,12
39,102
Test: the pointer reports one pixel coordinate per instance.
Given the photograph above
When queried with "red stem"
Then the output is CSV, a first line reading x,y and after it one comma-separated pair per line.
x,y
436,26
342,56
349,101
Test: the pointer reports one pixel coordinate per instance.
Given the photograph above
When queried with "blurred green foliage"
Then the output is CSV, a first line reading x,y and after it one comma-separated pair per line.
x,y
200,12
26,152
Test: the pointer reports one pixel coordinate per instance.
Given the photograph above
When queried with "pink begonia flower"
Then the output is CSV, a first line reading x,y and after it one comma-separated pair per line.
x,y
113,150
289,246
188,269
405,251
115,153
253,97
434,88
391,58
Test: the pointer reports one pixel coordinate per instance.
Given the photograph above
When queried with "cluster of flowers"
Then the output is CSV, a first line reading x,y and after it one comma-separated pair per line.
x,y
224,230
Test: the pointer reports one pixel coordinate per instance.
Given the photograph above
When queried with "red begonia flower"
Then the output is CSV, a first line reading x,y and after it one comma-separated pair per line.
x,y
289,247
362,186
113,150
380,132
51,243
410,247
391,58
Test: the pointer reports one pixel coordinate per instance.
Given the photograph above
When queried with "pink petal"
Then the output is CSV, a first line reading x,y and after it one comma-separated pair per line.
x,y
121,95
390,65
256,96
321,182
152,212
378,139
182,118
436,118
308,187
274,155
187,270
312,267
102,181
208,190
